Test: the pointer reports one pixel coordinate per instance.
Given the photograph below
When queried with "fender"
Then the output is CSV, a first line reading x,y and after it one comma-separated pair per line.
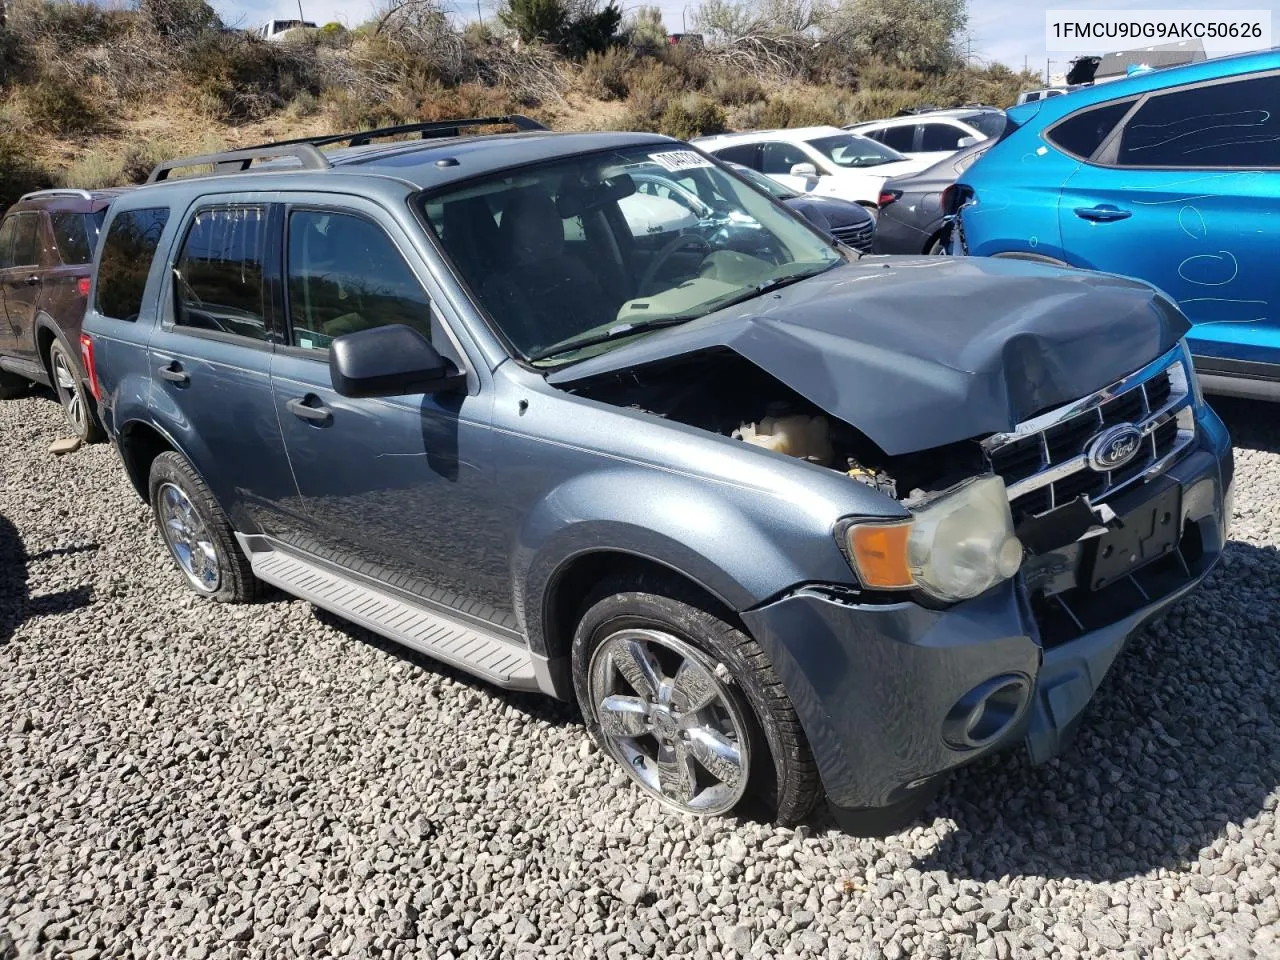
x,y
741,546
46,322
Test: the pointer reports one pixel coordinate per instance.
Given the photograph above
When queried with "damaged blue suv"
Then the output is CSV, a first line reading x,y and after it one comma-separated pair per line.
x,y
784,522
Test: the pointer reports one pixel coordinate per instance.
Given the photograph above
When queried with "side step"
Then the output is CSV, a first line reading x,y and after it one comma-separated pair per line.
x,y
427,631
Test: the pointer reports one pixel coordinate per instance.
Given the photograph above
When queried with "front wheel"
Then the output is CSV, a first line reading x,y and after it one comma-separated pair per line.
x,y
687,704
76,406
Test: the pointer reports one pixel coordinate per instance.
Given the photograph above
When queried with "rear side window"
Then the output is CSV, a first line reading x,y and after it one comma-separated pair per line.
x,y
127,252
1220,125
218,278
346,275
901,138
7,230
1082,133
26,240
940,136
745,154
76,234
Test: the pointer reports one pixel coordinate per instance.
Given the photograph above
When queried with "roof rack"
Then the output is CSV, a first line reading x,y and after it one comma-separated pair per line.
x,y
58,192
427,131
238,161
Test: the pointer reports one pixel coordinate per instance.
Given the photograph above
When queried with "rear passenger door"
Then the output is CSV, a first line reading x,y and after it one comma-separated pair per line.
x,y
22,277
210,359
396,489
939,140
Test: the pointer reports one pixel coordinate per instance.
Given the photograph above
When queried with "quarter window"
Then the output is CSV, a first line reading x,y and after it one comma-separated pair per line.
x,y
346,275
1220,125
1081,134
218,277
76,234
127,252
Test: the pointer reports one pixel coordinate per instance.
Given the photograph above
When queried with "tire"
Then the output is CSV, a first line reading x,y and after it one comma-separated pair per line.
x,y
198,534
13,386
77,405
935,248
681,631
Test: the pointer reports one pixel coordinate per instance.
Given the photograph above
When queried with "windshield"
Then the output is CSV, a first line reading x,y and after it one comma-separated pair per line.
x,y
571,258
761,182
851,150
990,124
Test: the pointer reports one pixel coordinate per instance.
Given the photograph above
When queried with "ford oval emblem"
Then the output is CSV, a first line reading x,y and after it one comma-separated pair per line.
x,y
1113,448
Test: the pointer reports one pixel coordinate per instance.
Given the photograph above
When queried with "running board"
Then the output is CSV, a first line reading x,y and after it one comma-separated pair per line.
x,y
439,636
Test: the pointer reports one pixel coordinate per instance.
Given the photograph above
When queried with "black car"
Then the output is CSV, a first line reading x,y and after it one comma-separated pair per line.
x,y
912,208
848,222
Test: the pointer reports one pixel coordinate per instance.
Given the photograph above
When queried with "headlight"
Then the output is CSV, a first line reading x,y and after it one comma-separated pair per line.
x,y
953,548
1193,381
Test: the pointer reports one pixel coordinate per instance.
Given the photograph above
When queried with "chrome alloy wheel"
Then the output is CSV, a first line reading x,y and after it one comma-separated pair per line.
x,y
70,393
668,717
188,538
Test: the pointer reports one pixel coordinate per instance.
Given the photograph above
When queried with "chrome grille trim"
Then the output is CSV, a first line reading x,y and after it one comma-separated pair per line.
x,y
1178,407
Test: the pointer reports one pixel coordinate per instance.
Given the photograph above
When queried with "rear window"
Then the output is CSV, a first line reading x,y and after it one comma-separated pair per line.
x,y
76,234
127,252
1081,134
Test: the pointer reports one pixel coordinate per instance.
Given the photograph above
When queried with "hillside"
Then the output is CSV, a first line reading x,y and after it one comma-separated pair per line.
x,y
93,96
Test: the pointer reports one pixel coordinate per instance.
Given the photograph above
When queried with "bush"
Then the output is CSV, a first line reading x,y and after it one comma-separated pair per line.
x,y
352,111
691,115
18,175
575,27
604,75
239,77
60,106
179,19
93,170
732,87
645,33
808,107
649,88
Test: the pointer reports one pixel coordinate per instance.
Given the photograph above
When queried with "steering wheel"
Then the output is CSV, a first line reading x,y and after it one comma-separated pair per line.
x,y
662,256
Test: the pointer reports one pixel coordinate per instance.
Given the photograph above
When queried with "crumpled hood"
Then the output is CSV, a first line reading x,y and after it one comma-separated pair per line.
x,y
917,352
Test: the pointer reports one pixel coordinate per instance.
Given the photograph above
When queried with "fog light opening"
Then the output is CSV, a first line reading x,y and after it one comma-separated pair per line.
x,y
985,713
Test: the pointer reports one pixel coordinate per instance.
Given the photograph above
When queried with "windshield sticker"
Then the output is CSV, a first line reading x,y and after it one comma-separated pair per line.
x,y
678,160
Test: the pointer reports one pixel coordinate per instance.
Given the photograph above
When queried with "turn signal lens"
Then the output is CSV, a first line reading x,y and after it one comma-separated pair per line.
x,y
879,553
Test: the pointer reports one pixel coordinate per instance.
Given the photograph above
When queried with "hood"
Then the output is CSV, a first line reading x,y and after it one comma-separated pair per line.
x,y
918,352
830,211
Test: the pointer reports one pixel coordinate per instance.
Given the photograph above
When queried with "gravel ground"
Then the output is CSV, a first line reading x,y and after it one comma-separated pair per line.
x,y
181,779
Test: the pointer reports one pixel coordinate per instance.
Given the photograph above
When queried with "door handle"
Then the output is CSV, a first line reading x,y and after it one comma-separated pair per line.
x,y
310,408
174,373
1104,213
32,280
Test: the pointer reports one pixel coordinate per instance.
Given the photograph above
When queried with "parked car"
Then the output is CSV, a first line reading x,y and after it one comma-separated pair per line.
x,y
1031,96
783,525
47,240
825,161
1169,176
913,218
935,135
850,223
279,30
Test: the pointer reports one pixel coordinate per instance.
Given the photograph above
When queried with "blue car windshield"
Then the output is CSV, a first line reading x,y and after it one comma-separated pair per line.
x,y
572,257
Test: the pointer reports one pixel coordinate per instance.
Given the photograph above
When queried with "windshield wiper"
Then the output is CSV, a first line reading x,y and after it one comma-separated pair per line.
x,y
625,329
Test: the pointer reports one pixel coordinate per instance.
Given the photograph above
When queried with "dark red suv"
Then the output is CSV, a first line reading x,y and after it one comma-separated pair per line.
x,y
47,242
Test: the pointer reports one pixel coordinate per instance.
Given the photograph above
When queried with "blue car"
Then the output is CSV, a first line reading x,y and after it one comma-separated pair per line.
x,y
1172,177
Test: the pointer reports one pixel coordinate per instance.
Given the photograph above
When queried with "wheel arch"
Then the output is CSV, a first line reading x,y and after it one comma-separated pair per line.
x,y
139,443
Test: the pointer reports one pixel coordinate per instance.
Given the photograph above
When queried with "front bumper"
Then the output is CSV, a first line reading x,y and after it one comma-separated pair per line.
x,y
877,686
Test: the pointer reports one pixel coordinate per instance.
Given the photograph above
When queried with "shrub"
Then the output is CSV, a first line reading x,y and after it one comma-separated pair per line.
x,y
305,104
649,88
18,174
179,19
61,106
575,27
645,33
239,77
809,107
691,115
352,111
690,62
604,75
93,170
733,87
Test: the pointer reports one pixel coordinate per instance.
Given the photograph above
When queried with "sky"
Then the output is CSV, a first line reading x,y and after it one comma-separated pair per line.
x,y
1008,31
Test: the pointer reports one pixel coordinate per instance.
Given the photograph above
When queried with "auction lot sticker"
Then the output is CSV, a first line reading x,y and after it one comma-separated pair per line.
x,y
677,160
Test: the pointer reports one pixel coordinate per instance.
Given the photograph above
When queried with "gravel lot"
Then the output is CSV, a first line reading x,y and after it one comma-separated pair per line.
x,y
184,779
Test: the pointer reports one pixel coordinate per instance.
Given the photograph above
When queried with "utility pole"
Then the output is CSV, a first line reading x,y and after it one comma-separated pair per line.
x,y
1047,61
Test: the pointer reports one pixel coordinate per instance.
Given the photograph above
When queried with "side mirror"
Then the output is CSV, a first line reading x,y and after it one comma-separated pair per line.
x,y
806,170
966,142
391,361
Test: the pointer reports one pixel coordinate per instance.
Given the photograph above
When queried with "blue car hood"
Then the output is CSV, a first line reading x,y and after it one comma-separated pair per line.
x,y
917,352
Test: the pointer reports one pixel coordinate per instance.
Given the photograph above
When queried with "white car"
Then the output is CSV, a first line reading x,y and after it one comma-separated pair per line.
x,y
277,30
825,161
934,135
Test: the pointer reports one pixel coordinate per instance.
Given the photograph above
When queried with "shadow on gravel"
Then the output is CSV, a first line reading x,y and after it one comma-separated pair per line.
x,y
1251,423
1181,741
16,602
535,706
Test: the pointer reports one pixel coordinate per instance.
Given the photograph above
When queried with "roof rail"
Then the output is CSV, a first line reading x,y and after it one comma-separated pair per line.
x,y
238,161
58,192
429,130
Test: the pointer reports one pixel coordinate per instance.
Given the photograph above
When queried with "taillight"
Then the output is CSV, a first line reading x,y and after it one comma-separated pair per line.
x,y
949,199
889,196
90,370
83,287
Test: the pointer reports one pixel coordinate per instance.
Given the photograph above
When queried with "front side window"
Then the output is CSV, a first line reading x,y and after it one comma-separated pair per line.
x,y
849,150
557,302
218,278
1220,125
941,136
780,157
747,154
76,234
346,275
26,240
1081,134
127,252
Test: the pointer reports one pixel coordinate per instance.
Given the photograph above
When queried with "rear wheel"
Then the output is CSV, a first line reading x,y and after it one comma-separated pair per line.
x,y
76,405
687,704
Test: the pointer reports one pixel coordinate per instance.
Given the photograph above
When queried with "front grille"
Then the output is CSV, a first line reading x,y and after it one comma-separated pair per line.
x,y
1044,464
857,236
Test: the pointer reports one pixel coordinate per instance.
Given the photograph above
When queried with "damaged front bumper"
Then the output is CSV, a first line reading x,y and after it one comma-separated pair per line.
x,y
891,695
